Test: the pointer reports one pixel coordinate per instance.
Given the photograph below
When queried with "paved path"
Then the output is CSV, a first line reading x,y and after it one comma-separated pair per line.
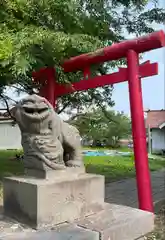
x,y
124,192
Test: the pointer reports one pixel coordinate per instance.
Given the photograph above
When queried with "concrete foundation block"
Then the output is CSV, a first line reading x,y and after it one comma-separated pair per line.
x,y
41,203
67,233
118,222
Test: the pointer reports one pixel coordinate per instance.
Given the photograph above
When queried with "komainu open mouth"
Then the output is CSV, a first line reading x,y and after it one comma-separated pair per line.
x,y
30,110
36,112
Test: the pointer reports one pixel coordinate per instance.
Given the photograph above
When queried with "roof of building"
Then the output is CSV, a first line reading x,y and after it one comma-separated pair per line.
x,y
4,116
155,118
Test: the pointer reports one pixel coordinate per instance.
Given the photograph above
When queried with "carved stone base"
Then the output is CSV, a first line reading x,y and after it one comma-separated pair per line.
x,y
54,174
45,202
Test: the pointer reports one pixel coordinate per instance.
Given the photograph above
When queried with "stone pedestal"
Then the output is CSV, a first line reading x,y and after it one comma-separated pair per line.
x,y
64,197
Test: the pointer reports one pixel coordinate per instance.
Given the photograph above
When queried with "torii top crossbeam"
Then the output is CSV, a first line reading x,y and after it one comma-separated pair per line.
x,y
116,51
53,89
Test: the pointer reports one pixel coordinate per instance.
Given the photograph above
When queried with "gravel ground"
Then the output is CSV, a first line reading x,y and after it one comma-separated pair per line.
x,y
159,233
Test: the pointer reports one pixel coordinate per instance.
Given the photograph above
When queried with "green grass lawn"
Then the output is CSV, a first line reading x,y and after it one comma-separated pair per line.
x,y
116,168
8,166
113,168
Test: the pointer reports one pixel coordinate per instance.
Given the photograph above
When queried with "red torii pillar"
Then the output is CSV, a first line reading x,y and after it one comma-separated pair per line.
x,y
129,49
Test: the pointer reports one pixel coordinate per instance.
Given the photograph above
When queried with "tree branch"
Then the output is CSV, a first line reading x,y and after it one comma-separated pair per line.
x,y
19,89
6,97
27,88
63,108
75,116
103,108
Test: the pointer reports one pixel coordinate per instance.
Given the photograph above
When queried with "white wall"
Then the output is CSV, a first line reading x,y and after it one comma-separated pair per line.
x,y
10,137
158,139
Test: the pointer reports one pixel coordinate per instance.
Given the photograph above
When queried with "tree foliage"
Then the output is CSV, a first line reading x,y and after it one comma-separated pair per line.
x,y
98,127
39,33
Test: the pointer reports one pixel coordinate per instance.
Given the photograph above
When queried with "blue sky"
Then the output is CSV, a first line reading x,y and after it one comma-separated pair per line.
x,y
153,87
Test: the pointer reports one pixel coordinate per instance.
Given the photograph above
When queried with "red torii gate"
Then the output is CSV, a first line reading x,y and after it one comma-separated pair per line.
x,y
130,50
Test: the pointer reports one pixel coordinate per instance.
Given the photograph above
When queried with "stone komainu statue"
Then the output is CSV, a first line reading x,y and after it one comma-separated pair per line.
x,y
47,141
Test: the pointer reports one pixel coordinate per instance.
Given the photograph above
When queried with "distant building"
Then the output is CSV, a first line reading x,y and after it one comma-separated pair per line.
x,y
155,124
126,142
10,137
